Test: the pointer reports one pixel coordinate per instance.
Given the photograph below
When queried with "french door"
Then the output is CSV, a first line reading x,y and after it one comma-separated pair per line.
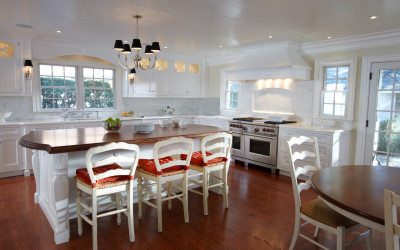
x,y
383,132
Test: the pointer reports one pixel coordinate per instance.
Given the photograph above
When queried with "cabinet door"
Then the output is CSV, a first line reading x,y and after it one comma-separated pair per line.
x,y
10,67
160,80
144,85
10,154
193,83
178,83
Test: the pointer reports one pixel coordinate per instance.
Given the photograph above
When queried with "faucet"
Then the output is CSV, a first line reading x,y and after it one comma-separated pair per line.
x,y
168,110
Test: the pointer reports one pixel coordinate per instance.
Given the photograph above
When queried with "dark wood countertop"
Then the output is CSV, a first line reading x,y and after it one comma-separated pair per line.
x,y
81,139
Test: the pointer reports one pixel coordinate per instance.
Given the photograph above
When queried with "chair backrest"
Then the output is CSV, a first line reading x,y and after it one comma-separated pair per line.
x,y
296,146
111,153
392,227
173,147
219,145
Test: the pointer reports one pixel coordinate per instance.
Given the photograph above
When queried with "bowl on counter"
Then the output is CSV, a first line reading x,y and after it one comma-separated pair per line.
x,y
4,116
175,122
111,128
144,128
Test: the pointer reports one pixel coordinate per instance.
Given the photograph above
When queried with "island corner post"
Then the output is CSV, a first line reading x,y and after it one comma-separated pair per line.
x,y
56,154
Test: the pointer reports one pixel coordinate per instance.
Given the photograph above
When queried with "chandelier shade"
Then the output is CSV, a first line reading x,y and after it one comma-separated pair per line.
x,y
155,47
130,57
118,45
136,44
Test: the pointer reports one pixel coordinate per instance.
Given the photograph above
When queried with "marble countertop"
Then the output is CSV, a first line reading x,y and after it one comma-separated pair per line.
x,y
314,128
61,120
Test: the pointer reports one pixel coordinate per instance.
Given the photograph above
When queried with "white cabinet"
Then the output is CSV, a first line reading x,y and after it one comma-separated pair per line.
x,y
184,81
10,67
333,146
144,84
11,159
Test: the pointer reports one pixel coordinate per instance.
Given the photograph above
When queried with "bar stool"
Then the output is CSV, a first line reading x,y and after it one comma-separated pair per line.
x,y
214,156
166,167
103,176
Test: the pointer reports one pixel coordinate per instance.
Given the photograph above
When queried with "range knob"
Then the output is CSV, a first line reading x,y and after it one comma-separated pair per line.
x,y
244,128
256,130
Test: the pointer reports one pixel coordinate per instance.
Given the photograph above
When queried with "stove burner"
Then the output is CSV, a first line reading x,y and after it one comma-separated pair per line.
x,y
277,123
247,119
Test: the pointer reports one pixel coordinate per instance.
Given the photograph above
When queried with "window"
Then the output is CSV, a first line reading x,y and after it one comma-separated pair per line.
x,y
62,87
98,87
58,87
232,94
335,90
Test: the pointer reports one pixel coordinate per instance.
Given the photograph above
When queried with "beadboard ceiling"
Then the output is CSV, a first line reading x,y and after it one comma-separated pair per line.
x,y
199,27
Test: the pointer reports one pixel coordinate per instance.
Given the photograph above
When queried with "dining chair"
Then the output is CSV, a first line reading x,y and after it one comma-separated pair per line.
x,y
392,227
305,160
105,175
166,167
214,157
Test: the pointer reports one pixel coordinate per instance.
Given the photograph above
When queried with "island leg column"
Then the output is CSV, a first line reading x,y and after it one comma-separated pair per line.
x,y
36,173
54,193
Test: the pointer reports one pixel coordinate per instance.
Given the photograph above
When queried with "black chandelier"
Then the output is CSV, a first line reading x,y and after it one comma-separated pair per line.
x,y
129,56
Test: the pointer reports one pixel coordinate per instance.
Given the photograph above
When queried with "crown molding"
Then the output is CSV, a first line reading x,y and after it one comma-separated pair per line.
x,y
386,38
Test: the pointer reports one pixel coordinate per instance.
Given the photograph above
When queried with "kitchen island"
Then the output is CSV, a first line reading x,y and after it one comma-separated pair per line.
x,y
58,153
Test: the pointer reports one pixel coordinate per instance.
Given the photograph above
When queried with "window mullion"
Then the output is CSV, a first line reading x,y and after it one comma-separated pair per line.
x,y
79,88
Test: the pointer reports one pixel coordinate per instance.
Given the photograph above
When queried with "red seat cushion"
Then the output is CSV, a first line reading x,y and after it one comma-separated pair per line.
x,y
83,175
149,165
197,159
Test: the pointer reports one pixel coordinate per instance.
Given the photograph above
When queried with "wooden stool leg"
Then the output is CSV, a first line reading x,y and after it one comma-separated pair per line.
x,y
295,231
118,203
79,210
159,205
140,196
185,197
94,220
205,191
130,212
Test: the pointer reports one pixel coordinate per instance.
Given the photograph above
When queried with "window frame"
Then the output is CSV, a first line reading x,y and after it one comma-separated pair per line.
x,y
319,90
226,91
80,99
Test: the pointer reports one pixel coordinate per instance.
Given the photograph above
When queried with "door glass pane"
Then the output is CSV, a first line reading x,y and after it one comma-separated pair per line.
x,y
384,101
339,109
394,160
340,97
381,141
382,121
394,143
260,147
380,159
396,122
386,79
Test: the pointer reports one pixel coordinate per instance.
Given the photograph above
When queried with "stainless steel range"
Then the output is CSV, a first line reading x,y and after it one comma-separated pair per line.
x,y
255,141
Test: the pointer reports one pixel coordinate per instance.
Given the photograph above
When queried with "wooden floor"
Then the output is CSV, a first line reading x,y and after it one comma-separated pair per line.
x,y
260,216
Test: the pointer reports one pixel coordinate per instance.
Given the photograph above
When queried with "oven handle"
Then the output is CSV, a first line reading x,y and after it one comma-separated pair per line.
x,y
271,138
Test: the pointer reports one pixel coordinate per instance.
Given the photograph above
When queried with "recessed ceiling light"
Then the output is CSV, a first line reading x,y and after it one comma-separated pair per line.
x,y
373,17
58,31
269,37
25,26
328,37
221,46
165,47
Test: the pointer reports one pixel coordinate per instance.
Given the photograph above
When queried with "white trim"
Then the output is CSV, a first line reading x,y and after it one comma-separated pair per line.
x,y
380,39
364,100
318,80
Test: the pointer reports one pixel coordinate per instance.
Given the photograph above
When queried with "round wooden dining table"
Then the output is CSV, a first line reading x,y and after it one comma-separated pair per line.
x,y
357,191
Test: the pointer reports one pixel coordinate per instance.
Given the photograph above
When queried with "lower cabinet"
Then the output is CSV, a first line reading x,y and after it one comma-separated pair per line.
x,y
333,146
11,158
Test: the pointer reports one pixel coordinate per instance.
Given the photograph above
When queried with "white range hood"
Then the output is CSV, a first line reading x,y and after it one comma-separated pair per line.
x,y
280,61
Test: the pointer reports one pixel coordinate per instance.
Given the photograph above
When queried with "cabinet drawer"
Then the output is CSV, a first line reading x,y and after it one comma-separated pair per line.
x,y
11,130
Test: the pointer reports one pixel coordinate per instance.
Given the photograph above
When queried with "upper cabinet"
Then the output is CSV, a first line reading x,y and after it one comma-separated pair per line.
x,y
169,78
12,82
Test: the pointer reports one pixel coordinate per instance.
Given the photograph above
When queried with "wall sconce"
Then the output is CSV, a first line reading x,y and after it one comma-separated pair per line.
x,y
28,68
132,76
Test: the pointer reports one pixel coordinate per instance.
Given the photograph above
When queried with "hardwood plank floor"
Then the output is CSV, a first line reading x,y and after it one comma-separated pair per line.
x,y
260,216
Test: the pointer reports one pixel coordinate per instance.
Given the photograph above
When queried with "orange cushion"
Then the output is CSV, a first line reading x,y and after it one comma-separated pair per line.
x,y
83,175
149,165
197,159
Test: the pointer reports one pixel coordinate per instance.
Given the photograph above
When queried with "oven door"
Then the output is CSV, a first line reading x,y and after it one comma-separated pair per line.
x,y
237,145
261,149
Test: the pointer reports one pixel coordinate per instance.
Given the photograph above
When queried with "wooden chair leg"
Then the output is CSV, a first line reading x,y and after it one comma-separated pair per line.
x,y
316,232
159,205
205,192
295,231
130,212
185,197
340,241
140,196
94,220
169,194
226,187
79,210
118,203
